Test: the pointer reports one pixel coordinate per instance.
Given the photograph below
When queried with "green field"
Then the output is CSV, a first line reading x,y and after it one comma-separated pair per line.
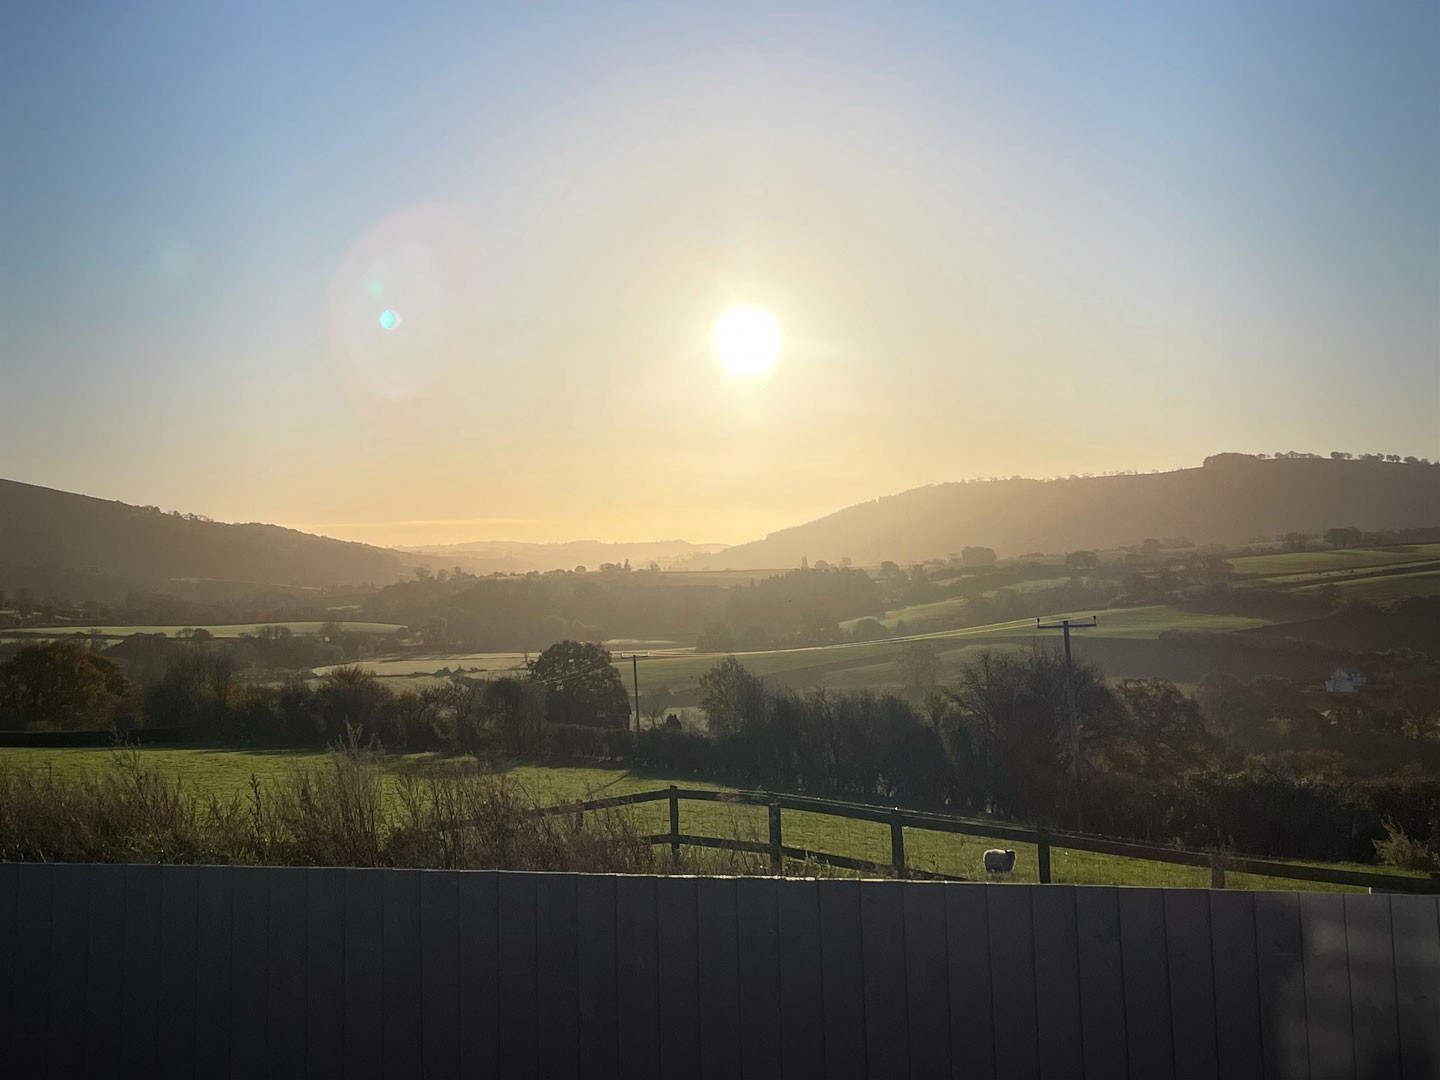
x,y
1310,562
1383,588
228,773
231,630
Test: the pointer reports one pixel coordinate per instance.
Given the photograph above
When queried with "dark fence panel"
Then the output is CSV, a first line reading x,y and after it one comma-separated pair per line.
x,y
139,971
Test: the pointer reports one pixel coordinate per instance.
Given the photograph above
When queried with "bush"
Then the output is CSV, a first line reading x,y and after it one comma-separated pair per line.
x,y
572,742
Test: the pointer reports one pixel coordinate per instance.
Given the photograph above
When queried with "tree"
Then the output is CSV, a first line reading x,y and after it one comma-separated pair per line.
x,y
583,686
654,702
62,684
1294,541
731,697
869,629
1082,560
919,667
1343,537
977,556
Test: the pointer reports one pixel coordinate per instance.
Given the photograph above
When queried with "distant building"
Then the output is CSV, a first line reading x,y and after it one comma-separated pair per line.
x,y
1346,680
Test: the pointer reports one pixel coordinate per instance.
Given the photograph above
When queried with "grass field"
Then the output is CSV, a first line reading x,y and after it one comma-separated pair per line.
x,y
1303,562
233,630
1379,590
228,773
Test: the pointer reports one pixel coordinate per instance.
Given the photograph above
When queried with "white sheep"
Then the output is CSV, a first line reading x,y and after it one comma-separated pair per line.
x,y
999,862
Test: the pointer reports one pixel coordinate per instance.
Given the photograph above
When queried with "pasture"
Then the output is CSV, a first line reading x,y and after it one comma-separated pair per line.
x,y
228,774
1310,562
1382,588
228,630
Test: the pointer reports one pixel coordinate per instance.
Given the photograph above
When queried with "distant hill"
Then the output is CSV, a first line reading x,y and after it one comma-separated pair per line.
x,y
1230,499
74,545
518,557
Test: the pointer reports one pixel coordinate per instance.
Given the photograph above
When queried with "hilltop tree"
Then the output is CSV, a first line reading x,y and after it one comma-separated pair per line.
x,y
1345,537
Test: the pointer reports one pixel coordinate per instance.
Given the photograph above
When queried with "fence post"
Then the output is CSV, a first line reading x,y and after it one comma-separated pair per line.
x,y
777,864
1042,851
1217,872
674,822
897,843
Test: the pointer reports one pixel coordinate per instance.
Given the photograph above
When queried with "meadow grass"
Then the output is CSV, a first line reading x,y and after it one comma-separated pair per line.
x,y
225,630
228,773
1302,562
1379,590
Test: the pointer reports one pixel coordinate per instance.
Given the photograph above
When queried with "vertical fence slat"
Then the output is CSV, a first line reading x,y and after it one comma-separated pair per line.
x,y
1326,965
479,973
9,886
1370,953
557,974
1147,982
140,1009
518,977
1282,984
1012,981
440,972
404,1046
324,970
1192,983
927,980
68,977
364,973
1237,985
31,971
1102,981
718,944
213,902
972,1019
844,978
596,976
679,977
1057,981
802,995
756,918
285,972
1417,983
637,991
882,931
249,966
179,916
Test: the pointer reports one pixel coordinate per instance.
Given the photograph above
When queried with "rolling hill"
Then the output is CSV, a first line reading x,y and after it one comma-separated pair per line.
x,y
74,545
1231,498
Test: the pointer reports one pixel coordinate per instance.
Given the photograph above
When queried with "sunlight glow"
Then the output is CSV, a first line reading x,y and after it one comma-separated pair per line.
x,y
746,339
388,319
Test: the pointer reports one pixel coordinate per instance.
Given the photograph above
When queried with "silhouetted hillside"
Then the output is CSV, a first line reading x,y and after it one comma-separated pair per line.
x,y
1231,498
74,545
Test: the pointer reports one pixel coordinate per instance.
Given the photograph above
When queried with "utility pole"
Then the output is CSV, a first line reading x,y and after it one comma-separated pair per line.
x,y
1067,625
634,659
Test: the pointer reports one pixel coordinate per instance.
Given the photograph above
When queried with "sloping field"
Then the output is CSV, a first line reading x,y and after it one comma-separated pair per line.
x,y
228,630
1310,562
1382,588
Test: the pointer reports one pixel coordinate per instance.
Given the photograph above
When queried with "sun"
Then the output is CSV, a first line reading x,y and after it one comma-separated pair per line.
x,y
746,339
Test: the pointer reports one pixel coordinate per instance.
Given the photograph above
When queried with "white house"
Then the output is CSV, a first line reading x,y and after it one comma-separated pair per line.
x,y
1346,680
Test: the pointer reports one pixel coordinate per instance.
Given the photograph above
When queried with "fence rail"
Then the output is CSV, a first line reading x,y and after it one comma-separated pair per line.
x,y
1045,841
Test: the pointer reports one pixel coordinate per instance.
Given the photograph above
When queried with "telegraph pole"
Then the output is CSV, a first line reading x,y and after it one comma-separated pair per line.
x,y
634,659
1067,625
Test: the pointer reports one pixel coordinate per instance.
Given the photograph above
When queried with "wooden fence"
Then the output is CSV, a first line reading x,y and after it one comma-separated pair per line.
x,y
899,820
188,971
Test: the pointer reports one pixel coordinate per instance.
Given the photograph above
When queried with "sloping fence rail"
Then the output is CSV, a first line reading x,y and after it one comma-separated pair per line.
x,y
1219,863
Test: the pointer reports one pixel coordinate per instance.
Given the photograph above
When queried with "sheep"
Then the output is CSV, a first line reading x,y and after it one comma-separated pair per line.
x,y
999,862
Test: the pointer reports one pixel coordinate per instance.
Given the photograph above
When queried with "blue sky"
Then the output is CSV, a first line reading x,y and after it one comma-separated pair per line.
x,y
998,239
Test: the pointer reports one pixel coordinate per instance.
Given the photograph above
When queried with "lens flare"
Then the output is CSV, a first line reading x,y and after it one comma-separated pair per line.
x,y
388,319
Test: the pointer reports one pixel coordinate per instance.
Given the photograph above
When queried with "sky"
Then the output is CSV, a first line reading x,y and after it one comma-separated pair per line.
x,y
996,239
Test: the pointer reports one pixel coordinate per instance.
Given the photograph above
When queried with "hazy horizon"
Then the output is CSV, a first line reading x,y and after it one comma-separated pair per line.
x,y
455,276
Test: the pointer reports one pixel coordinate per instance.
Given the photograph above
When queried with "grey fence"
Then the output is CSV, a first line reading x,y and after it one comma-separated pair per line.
x,y
144,971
